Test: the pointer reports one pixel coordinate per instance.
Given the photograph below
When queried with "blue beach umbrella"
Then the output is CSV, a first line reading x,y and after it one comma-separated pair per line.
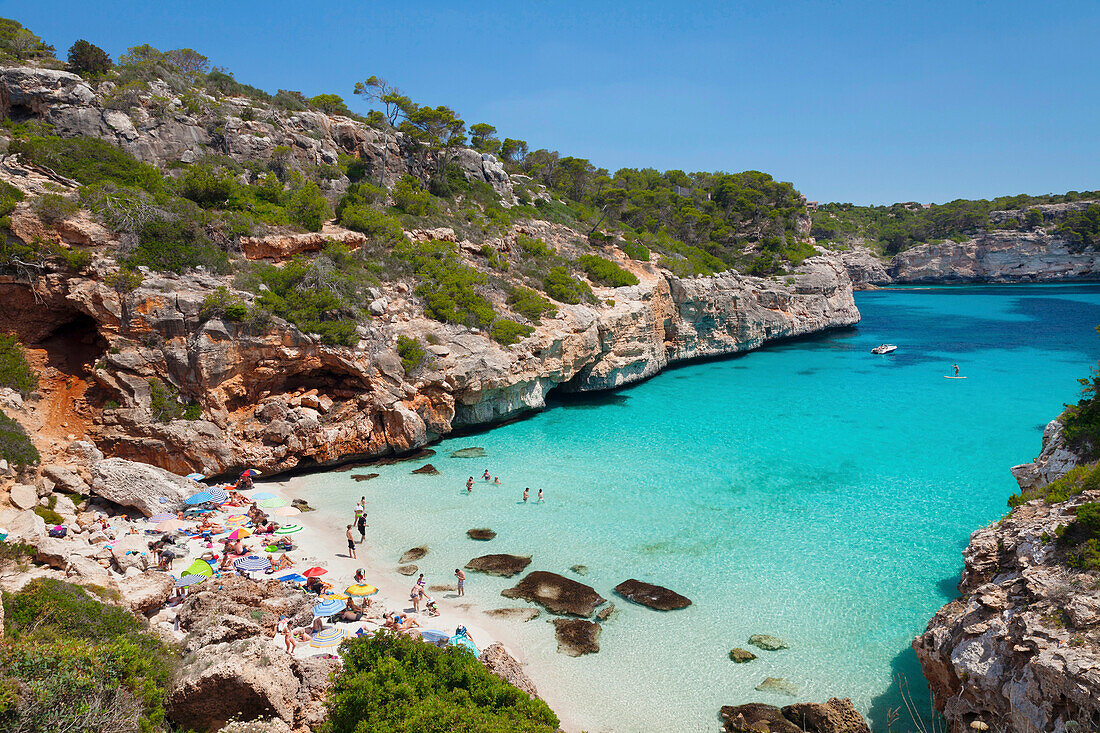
x,y
327,608
262,496
200,498
195,476
187,580
328,637
217,495
251,564
291,578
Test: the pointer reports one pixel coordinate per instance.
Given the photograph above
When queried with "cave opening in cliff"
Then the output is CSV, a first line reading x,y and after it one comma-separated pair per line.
x,y
20,113
74,345
338,385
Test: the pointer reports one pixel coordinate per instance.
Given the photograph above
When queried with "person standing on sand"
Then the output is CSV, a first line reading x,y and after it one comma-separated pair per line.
x,y
414,595
461,582
351,543
526,493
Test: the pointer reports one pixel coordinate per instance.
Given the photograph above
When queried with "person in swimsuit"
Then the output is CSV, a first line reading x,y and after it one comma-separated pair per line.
x,y
288,634
470,485
415,593
351,543
526,493
540,496
486,476
461,582
496,480
956,367
362,522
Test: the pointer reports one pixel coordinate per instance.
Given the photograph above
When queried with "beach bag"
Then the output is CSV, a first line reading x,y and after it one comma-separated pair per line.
x,y
59,531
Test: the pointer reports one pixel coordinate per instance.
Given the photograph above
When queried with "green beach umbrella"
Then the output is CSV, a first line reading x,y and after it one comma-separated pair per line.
x,y
199,567
289,529
273,503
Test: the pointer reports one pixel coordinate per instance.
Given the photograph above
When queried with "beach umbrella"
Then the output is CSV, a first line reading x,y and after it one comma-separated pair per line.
x,y
217,495
187,580
289,529
171,525
273,503
362,590
334,597
195,476
162,517
199,567
286,511
314,572
327,608
236,520
291,577
199,498
249,473
251,564
239,534
234,510
263,495
328,637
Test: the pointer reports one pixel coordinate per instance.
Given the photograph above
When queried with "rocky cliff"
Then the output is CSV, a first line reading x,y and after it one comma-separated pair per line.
x,y
1020,648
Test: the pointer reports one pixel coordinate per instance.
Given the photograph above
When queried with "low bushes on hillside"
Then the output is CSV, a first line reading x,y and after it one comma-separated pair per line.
x,y
530,304
564,288
15,372
391,684
605,271
15,446
411,352
88,160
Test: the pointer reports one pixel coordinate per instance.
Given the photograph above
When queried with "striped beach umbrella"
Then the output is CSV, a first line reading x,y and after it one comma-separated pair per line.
x,y
187,580
217,495
334,597
362,590
286,511
327,608
239,533
195,476
162,517
291,577
263,495
289,529
328,637
249,473
236,520
198,498
251,564
171,525
273,503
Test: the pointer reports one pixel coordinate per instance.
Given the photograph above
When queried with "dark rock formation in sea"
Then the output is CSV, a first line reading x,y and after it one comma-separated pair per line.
x,y
427,470
515,614
503,565
741,655
577,636
656,597
768,642
414,554
556,594
482,535
837,715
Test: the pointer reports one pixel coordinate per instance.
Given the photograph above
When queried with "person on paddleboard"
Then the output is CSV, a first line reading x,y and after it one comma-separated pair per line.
x,y
956,368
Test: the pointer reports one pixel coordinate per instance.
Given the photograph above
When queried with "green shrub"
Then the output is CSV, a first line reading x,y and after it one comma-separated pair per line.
x,y
530,304
49,516
411,198
78,664
605,271
411,352
447,286
164,401
307,207
391,684
207,186
636,251
564,288
88,160
88,60
506,332
177,241
223,304
534,247
1076,481
15,372
9,197
53,208
1081,422
15,447
372,222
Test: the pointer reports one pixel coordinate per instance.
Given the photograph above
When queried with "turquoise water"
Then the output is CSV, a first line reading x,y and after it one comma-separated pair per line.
x,y
808,490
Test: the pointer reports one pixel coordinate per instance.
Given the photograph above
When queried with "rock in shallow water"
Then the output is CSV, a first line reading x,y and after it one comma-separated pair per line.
x,y
580,569
414,554
520,614
741,655
407,569
576,636
779,686
837,715
756,717
767,642
498,661
556,594
654,596
472,452
503,565
483,534
427,470
363,476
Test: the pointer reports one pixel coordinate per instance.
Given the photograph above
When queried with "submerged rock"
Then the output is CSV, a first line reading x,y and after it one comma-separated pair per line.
x,y
741,655
656,597
556,594
837,715
756,717
580,569
521,614
502,564
414,554
364,476
407,569
778,685
576,636
605,612
301,505
473,452
483,534
427,470
767,642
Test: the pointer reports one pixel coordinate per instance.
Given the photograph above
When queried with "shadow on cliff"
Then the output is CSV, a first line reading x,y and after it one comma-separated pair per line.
x,y
889,712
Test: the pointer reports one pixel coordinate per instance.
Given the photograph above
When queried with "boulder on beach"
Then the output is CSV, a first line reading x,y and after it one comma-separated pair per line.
x,y
741,655
407,569
427,470
363,476
556,594
837,715
502,564
483,534
576,636
472,452
754,718
778,685
655,596
301,505
580,569
515,614
148,489
767,642
498,661
414,554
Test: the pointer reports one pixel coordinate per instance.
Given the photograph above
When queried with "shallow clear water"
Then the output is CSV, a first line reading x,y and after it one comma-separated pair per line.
x,y
809,490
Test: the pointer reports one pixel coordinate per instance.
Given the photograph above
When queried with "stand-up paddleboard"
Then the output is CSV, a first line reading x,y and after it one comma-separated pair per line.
x,y
948,376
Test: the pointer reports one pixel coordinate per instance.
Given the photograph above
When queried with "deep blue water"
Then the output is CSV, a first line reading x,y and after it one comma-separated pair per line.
x,y
809,490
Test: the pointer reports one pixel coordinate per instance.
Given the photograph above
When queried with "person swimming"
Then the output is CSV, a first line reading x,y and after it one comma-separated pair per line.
x,y
526,494
496,480
540,496
486,475
470,485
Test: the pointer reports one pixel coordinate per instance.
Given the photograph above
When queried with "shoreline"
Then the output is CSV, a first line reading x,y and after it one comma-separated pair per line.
x,y
322,543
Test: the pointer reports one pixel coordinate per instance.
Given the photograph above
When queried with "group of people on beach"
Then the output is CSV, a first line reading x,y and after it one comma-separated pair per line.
x,y
488,478
360,523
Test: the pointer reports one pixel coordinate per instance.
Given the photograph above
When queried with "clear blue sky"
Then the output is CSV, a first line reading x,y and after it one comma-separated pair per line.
x,y
869,102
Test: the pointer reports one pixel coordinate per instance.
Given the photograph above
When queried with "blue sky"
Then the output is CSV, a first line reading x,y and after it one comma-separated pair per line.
x,y
869,102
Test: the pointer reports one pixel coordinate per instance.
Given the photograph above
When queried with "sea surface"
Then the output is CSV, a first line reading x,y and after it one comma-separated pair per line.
x,y
809,490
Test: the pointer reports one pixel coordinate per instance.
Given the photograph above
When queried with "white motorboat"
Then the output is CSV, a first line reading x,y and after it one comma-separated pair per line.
x,y
884,349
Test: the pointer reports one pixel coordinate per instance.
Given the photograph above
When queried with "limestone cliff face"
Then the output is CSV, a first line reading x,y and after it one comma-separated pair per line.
x,y
1019,649
999,256
276,399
